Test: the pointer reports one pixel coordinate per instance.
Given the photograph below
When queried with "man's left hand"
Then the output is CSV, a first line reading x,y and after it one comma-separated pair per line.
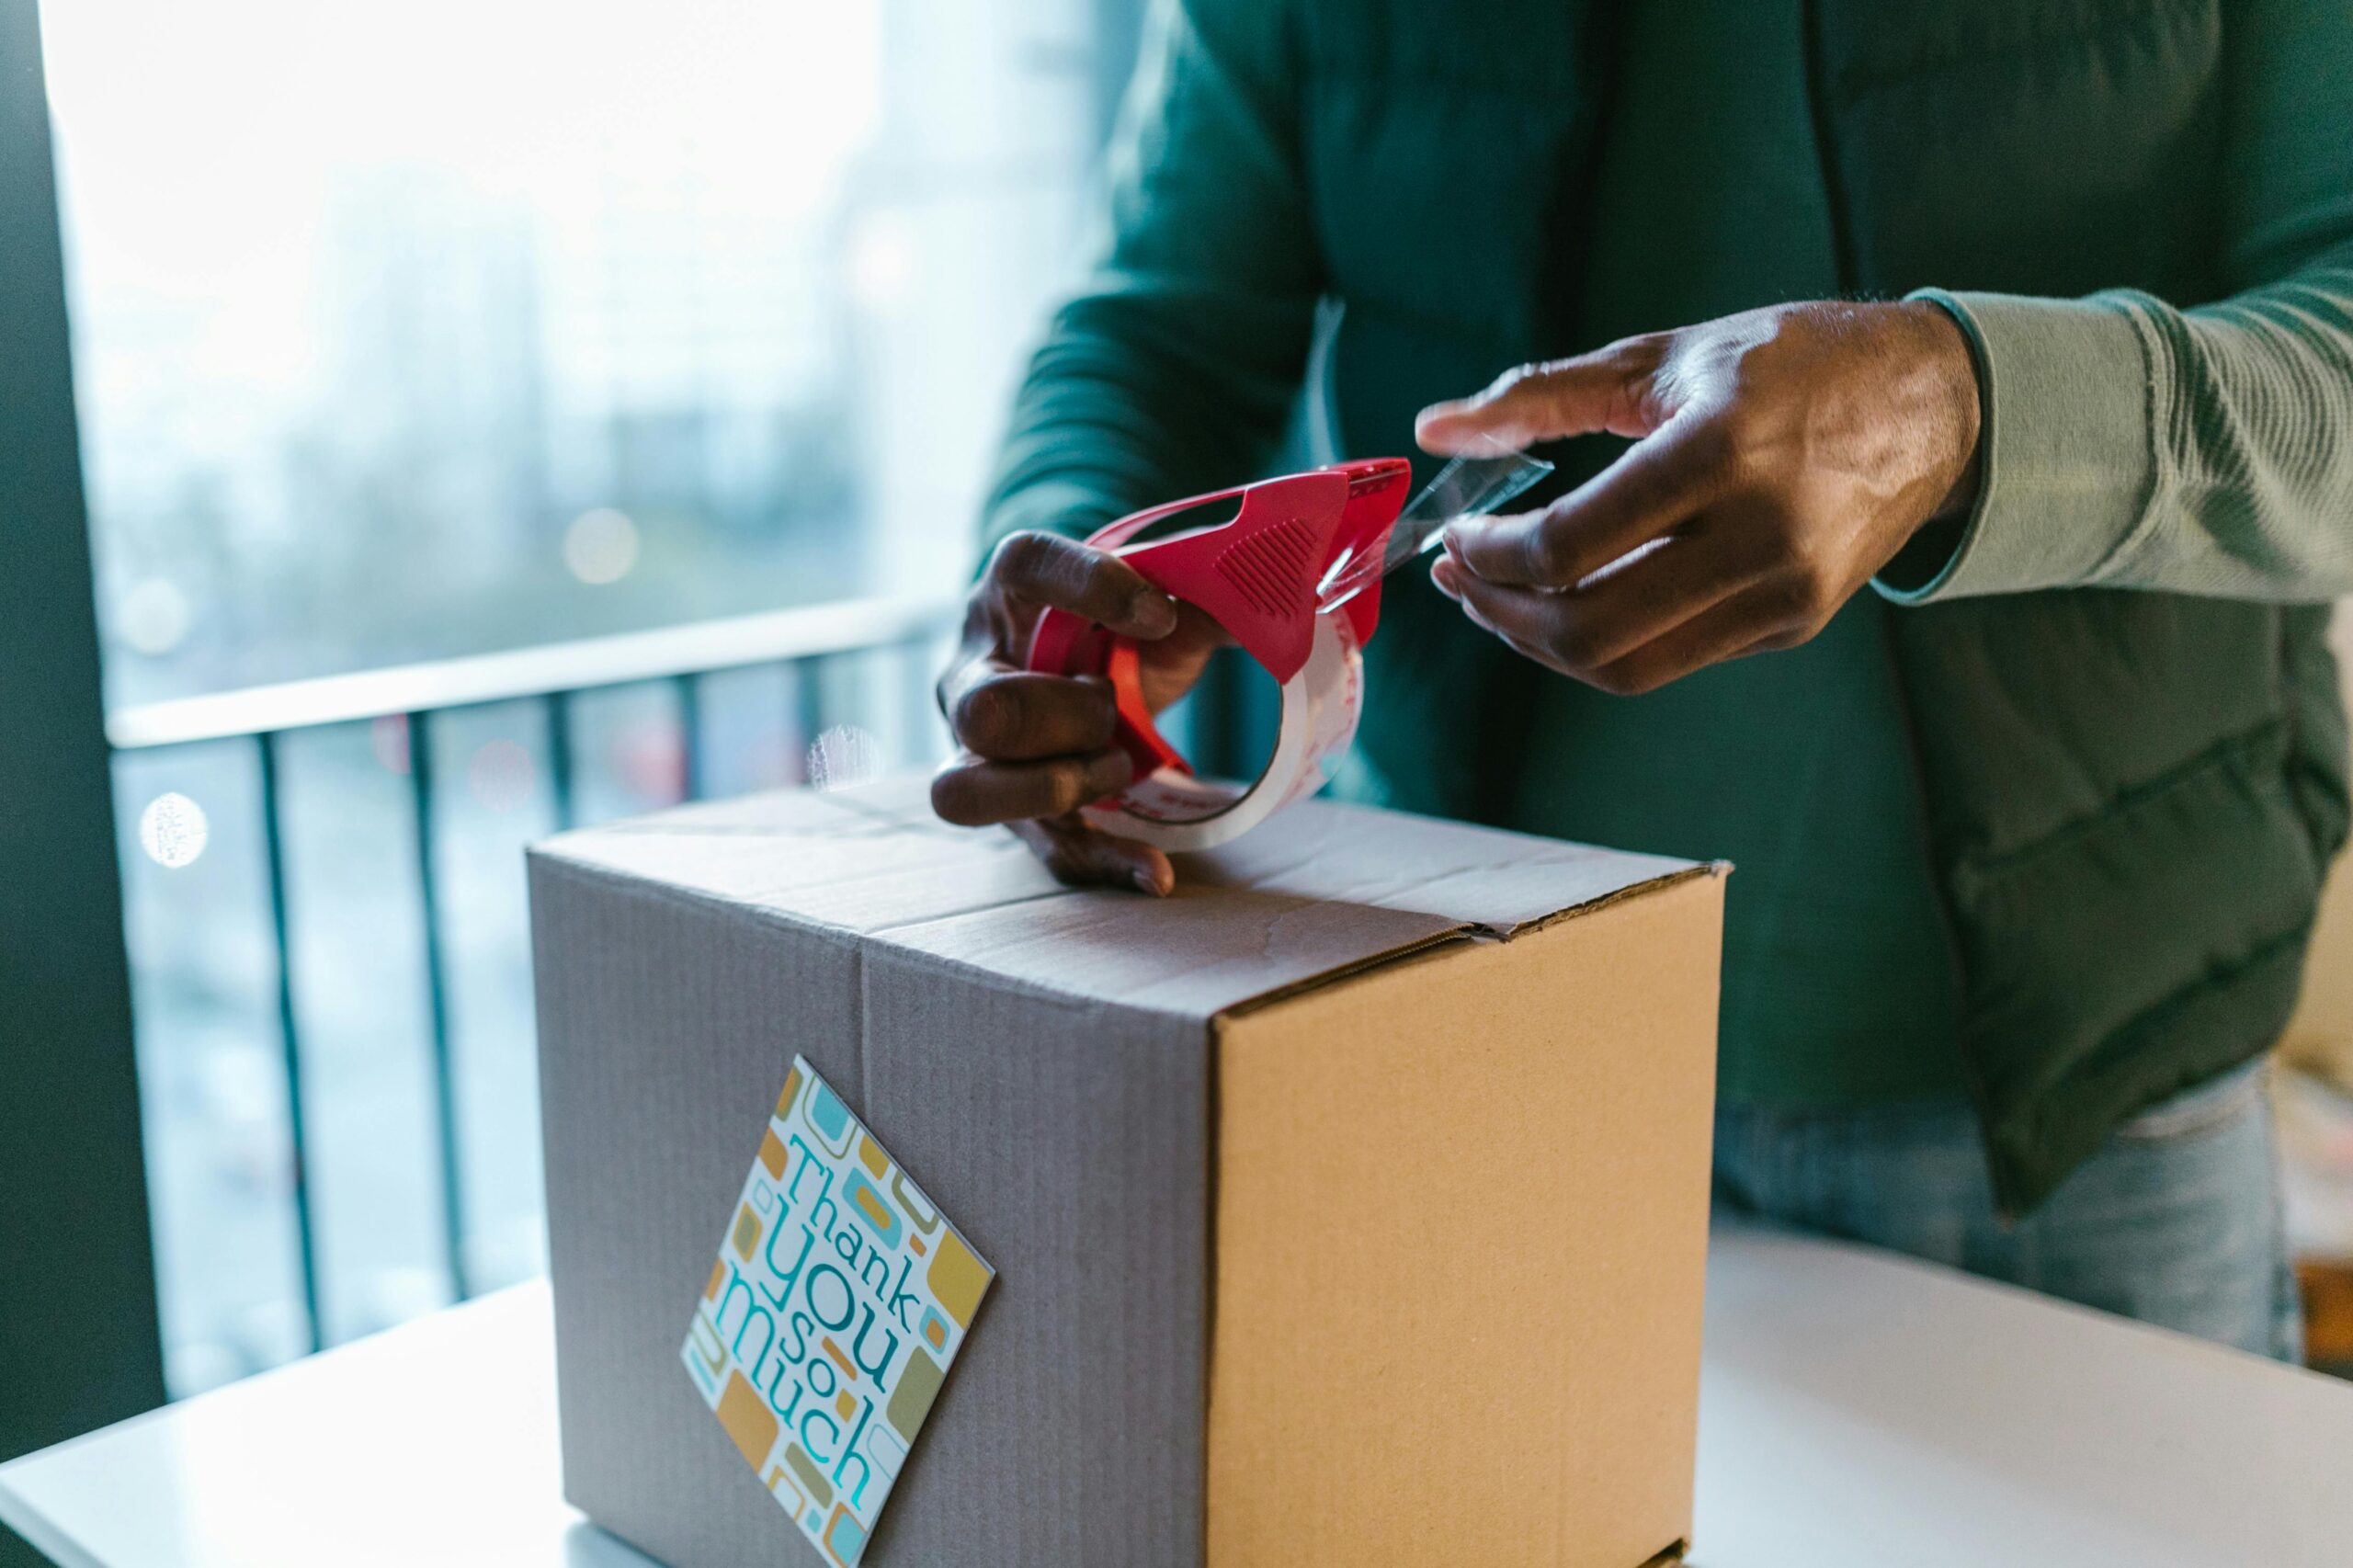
x,y
1783,456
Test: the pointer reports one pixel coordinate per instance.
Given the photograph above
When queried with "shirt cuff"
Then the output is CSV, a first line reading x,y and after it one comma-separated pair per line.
x,y
2067,447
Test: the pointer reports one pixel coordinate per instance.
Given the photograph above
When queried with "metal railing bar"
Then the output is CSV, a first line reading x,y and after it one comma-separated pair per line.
x,y
290,1038
588,664
909,181
558,708
445,1096
808,709
922,703
690,736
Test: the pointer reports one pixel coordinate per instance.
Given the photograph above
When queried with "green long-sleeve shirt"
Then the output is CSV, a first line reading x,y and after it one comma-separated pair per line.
x,y
2132,444
2127,443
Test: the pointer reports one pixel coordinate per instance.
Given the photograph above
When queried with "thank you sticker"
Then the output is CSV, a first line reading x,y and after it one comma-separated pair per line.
x,y
839,1301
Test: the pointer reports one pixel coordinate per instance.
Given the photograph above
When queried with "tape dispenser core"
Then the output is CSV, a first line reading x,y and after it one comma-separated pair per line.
x,y
1257,576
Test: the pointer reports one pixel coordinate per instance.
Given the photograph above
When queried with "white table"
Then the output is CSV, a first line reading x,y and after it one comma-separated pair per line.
x,y
1857,1409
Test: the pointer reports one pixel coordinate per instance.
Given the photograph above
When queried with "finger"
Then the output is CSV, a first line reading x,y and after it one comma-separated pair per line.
x,y
1062,574
1656,485
1169,667
1453,581
973,792
1082,857
1019,716
1751,621
1605,390
1538,624
1643,598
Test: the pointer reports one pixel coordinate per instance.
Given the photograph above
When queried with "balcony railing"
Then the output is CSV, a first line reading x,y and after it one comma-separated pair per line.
x,y
906,636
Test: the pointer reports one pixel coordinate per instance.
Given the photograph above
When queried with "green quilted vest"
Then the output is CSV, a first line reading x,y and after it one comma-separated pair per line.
x,y
2132,798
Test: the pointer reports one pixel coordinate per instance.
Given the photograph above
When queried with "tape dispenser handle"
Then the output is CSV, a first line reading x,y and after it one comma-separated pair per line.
x,y
1254,571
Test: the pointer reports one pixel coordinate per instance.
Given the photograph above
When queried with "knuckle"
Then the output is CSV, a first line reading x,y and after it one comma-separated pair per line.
x,y
1825,609
1061,573
1011,553
1518,379
1790,597
1524,387
1800,602
1024,558
1645,350
990,715
1616,680
1095,576
1067,788
1795,635
1580,643
1817,598
1549,550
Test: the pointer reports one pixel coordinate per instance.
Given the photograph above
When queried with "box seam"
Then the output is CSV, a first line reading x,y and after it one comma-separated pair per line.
x,y
885,936
1717,868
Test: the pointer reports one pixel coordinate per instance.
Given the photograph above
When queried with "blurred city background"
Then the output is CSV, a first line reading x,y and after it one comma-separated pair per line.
x,y
405,332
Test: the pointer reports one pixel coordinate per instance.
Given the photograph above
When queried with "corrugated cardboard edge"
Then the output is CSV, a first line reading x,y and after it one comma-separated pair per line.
x,y
1718,869
1471,931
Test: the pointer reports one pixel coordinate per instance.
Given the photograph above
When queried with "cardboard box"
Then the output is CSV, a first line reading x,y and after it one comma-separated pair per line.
x,y
1348,1207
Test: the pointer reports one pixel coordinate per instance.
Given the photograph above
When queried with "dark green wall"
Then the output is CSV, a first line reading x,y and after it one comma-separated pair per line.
x,y
78,1340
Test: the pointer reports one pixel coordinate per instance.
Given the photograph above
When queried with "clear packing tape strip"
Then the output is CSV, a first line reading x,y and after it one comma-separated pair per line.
x,y
1470,486
1176,809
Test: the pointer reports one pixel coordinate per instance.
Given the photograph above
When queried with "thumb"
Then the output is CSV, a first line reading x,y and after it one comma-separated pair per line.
x,y
1609,389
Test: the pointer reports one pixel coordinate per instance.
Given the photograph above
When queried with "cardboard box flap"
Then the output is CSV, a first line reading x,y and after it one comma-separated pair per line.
x,y
1476,876
1338,889
1198,952
815,859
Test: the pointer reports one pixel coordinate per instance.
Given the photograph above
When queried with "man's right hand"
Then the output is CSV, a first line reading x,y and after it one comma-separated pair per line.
x,y
1035,748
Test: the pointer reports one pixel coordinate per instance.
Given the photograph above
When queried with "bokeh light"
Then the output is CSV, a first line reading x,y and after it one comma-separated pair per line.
x,y
388,741
844,755
600,546
501,776
173,830
153,617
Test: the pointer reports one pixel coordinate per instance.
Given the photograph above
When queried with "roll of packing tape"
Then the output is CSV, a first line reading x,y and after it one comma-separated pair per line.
x,y
1175,809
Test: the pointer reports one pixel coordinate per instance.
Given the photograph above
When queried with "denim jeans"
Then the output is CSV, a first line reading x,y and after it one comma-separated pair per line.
x,y
2175,1221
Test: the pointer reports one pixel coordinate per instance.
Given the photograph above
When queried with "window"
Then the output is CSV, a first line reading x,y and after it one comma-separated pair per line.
x,y
406,331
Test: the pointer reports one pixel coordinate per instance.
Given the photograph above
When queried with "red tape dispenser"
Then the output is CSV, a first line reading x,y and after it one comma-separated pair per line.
x,y
1267,574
